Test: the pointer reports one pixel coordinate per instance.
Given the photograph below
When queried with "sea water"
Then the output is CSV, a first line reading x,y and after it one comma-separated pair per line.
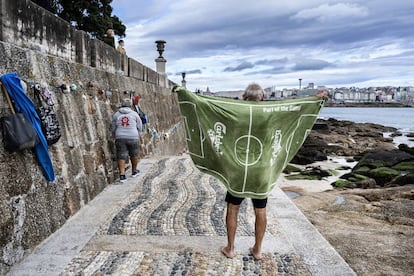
x,y
402,118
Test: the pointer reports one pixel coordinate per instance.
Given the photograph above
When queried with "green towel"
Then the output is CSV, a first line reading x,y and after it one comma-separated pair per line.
x,y
245,144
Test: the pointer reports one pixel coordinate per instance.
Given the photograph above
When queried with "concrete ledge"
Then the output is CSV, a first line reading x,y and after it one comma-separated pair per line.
x,y
318,255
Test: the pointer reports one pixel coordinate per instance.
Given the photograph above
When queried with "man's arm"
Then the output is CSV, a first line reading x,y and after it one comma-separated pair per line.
x,y
113,125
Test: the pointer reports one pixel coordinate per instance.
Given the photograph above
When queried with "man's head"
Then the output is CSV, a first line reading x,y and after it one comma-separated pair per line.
x,y
253,92
121,42
126,102
110,32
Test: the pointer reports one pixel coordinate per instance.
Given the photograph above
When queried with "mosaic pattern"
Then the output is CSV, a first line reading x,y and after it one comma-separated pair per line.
x,y
175,199
182,263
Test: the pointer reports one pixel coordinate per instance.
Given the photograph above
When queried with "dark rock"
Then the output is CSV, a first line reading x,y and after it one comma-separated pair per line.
x,y
346,176
346,138
321,126
354,177
353,180
290,168
308,156
405,166
310,173
383,159
395,134
383,175
362,170
401,180
367,183
407,149
344,168
342,183
380,167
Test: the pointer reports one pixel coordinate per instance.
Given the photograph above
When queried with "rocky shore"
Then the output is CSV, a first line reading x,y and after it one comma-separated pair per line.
x,y
364,206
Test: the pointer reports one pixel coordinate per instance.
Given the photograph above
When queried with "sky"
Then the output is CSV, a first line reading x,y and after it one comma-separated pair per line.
x,y
227,44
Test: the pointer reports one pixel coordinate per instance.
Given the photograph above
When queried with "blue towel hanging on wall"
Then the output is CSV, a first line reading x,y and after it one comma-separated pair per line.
x,y
22,103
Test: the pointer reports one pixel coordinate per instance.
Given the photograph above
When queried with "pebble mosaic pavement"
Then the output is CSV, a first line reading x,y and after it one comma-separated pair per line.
x,y
176,200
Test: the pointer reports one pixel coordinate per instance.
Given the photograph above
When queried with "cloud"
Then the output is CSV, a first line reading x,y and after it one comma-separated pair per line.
x,y
310,64
242,66
271,71
271,61
274,42
335,12
189,72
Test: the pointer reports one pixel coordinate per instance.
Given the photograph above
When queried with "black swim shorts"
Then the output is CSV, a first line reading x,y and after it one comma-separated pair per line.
x,y
257,203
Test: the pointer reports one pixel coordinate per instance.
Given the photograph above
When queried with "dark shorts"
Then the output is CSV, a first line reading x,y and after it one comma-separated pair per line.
x,y
257,203
126,148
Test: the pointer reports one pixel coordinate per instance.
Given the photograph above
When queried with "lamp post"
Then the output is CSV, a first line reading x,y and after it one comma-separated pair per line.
x,y
183,81
300,83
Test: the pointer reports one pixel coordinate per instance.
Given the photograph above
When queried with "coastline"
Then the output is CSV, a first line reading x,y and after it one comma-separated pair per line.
x,y
397,123
368,104
296,188
364,225
364,222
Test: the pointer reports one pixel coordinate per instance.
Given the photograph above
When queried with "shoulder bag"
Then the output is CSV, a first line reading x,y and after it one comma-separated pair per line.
x,y
18,132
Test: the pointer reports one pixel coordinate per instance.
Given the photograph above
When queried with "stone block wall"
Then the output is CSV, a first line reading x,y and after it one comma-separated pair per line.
x,y
43,48
27,25
84,162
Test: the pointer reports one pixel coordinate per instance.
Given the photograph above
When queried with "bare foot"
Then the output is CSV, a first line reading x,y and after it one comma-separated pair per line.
x,y
257,256
226,252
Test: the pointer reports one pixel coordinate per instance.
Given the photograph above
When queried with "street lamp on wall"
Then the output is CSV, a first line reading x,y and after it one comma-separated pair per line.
x,y
183,81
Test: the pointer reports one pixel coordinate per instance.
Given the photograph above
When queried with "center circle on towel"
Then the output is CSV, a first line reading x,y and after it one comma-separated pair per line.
x,y
248,150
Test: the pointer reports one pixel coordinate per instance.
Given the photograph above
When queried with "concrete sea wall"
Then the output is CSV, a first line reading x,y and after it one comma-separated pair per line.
x,y
42,48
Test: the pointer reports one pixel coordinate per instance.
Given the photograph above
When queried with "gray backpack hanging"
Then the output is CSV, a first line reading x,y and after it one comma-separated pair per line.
x,y
47,115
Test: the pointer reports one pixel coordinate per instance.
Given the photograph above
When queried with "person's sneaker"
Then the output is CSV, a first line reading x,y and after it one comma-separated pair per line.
x,y
122,178
135,173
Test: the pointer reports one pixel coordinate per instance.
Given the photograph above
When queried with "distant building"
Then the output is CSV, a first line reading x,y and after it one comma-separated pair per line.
x,y
403,95
230,94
